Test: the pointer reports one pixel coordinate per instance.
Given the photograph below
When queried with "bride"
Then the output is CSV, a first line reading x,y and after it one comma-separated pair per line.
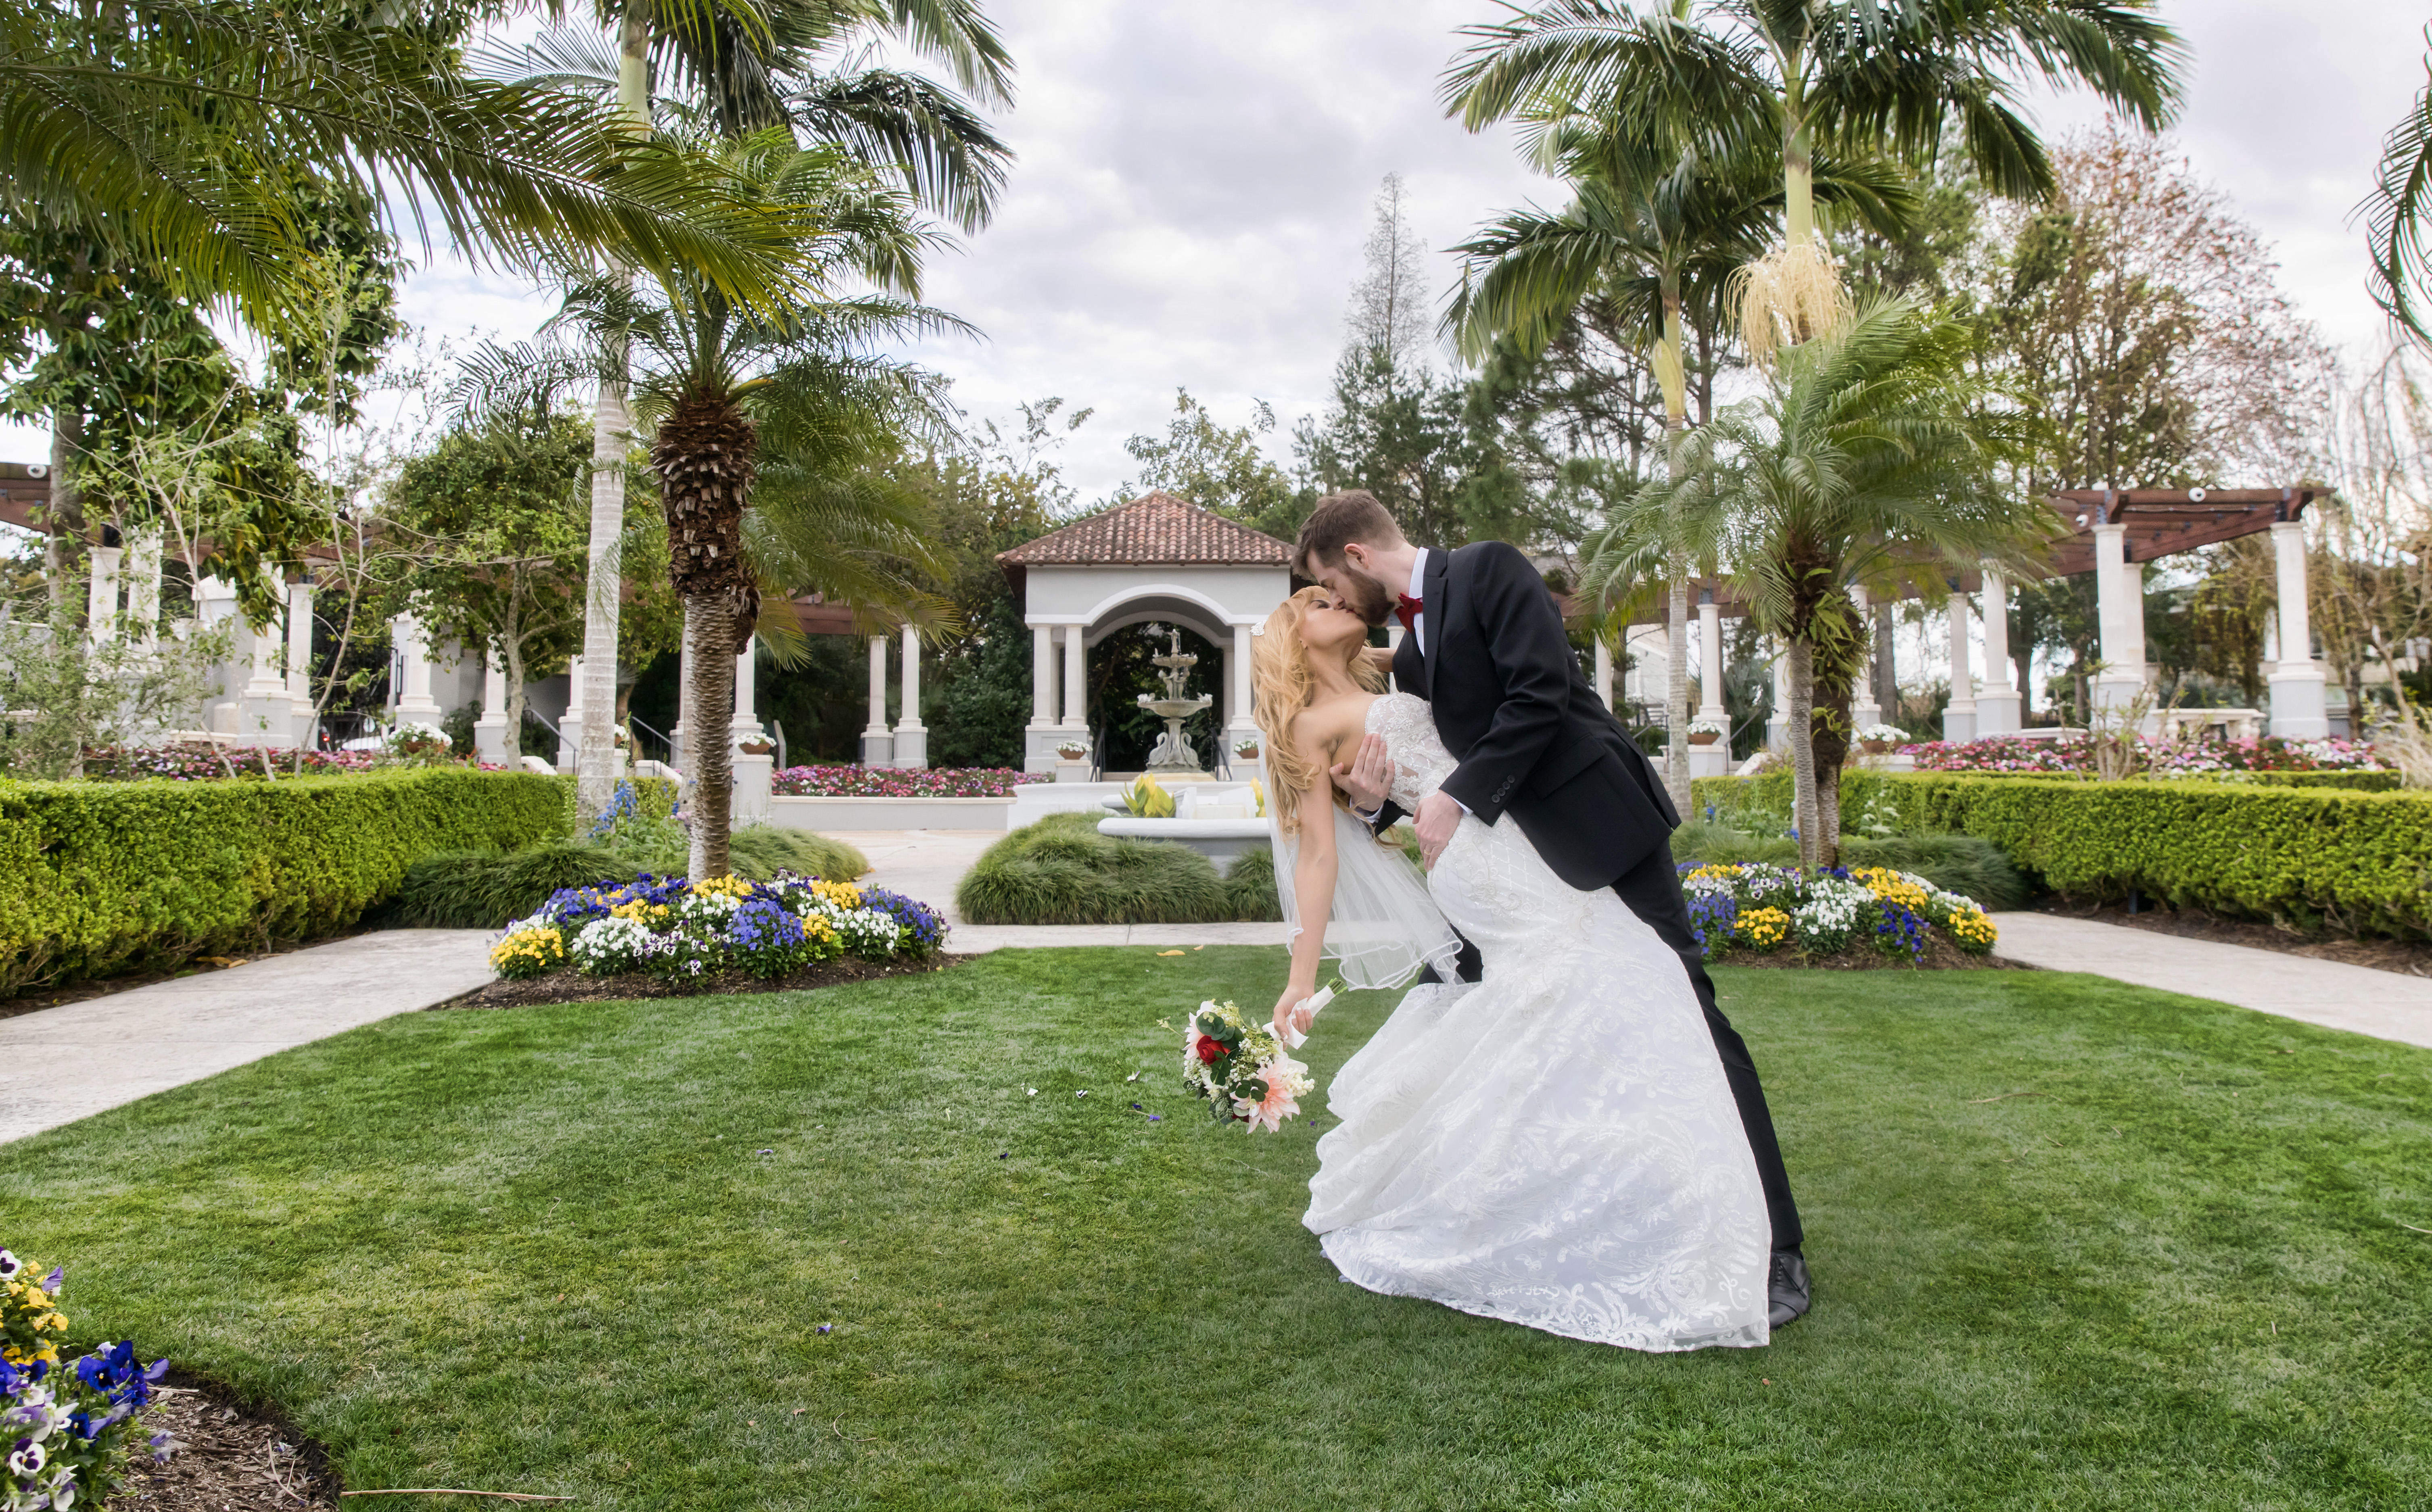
x,y
1555,1145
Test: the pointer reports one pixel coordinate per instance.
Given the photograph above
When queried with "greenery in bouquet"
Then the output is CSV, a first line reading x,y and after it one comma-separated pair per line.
x,y
1816,911
65,1429
671,927
1240,1068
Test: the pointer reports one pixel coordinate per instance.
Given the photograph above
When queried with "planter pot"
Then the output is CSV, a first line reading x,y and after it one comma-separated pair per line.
x,y
1703,737
1249,753
1876,748
756,747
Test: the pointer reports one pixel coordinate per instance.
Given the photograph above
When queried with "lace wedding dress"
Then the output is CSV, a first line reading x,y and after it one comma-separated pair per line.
x,y
1555,1145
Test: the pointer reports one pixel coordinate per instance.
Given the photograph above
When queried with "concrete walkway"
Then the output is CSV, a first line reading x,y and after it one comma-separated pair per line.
x,y
63,1064
927,865
2359,998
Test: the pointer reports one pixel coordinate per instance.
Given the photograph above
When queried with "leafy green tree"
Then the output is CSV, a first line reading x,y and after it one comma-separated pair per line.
x,y
1396,432
1218,468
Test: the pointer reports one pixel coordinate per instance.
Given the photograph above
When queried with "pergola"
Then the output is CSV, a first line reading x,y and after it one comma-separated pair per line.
x,y
1159,559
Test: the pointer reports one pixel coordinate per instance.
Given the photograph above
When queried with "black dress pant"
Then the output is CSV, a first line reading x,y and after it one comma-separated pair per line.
x,y
1651,890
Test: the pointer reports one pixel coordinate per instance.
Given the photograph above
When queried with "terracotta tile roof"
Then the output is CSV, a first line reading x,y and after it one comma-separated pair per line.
x,y
1153,528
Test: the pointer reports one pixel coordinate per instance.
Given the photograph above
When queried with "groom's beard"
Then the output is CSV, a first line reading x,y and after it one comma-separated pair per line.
x,y
1364,595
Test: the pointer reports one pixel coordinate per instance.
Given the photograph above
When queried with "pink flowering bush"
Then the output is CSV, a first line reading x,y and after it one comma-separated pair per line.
x,y
894,781
2193,758
194,761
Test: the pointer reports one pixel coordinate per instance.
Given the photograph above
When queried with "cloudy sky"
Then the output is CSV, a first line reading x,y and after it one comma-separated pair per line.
x,y
1194,181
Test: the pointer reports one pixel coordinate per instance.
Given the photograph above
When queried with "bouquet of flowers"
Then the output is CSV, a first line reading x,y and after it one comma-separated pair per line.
x,y
63,1428
1240,1068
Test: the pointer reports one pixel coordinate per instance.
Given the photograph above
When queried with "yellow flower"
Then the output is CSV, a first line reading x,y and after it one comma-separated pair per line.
x,y
1715,874
842,895
1764,928
726,886
1891,887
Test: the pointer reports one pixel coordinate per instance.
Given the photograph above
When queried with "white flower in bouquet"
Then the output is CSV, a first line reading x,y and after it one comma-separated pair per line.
x,y
1241,1069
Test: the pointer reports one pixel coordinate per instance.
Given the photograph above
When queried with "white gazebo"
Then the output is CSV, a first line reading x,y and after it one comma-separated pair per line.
x,y
1159,559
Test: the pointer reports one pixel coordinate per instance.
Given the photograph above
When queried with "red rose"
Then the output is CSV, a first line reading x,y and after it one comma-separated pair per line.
x,y
1209,1050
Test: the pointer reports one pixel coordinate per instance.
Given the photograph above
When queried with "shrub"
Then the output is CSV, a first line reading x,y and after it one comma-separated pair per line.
x,y
103,876
485,890
2361,861
1061,870
1250,884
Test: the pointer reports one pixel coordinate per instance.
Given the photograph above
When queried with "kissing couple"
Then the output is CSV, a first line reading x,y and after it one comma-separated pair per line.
x,y
1556,1127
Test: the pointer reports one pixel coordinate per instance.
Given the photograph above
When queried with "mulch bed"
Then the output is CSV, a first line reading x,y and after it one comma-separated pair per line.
x,y
1940,955
235,1458
2406,957
571,986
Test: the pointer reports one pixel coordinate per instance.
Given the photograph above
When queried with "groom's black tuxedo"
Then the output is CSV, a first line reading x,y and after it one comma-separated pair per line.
x,y
1533,741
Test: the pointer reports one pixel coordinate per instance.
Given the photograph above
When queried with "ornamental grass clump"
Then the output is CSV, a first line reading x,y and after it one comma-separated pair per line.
x,y
672,928
1061,870
64,1427
1817,912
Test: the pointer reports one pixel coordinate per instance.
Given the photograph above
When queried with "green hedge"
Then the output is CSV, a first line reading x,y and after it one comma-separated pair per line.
x,y
1061,870
2360,862
103,876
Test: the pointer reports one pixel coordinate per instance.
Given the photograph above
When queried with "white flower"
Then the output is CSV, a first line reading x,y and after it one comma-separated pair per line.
x,y
1884,732
29,1458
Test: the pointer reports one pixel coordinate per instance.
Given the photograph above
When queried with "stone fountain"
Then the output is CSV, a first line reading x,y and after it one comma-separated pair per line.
x,y
1174,753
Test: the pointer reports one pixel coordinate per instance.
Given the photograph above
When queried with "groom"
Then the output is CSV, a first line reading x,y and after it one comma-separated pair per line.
x,y
1485,646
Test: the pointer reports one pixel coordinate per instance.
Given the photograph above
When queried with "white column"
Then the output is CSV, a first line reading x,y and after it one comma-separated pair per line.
x,y
267,718
1997,703
2300,708
745,724
1042,677
414,704
1709,658
300,658
1242,719
1864,710
216,605
144,585
1076,679
1959,716
2119,613
877,745
569,728
101,593
1604,673
490,731
911,735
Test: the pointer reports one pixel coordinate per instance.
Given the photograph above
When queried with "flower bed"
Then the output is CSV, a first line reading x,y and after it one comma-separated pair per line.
x,y
1810,912
897,781
2196,758
670,927
64,1427
199,761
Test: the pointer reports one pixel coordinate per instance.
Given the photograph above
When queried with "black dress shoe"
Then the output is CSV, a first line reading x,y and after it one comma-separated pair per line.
x,y
1788,1288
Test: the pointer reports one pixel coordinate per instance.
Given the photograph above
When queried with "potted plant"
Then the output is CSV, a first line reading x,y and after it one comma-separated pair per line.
x,y
756,747
1073,750
1246,748
1707,731
1875,740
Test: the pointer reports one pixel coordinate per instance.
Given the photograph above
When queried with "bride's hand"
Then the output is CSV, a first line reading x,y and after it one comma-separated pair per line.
x,y
1368,777
1291,1018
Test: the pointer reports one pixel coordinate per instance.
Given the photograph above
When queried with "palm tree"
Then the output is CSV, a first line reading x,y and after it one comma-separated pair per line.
x,y
764,427
2402,252
1865,462
1864,77
182,138
1651,231
732,67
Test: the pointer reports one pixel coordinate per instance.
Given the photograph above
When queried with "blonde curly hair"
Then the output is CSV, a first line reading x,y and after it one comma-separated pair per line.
x,y
1281,684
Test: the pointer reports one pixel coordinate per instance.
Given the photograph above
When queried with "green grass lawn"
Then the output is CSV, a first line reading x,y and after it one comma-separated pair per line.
x,y
585,1250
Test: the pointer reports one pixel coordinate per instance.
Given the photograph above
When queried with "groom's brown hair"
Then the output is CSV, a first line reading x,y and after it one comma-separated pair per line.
x,y
1337,520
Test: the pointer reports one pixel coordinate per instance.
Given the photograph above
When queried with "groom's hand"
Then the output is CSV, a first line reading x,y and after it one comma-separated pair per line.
x,y
1439,815
1367,777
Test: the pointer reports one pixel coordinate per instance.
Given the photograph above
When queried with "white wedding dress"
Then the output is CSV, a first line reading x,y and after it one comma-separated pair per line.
x,y
1555,1145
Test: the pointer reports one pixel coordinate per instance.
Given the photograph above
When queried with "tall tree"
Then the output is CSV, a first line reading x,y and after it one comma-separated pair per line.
x,y
1219,467
1389,304
1864,77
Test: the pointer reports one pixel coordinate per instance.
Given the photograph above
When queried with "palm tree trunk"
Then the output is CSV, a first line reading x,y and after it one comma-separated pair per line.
x,y
709,650
595,761
1669,373
1798,157
1802,748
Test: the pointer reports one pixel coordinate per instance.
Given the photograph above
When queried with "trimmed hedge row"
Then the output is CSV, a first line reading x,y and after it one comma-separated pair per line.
x,y
2360,862
104,877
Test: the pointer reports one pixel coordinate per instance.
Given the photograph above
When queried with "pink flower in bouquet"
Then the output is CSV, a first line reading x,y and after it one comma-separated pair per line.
x,y
1283,1078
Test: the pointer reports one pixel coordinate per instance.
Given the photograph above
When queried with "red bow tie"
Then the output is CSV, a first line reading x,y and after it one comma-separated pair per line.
x,y
1407,609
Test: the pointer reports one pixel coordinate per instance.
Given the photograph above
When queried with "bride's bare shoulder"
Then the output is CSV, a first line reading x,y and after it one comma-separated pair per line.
x,y
1326,725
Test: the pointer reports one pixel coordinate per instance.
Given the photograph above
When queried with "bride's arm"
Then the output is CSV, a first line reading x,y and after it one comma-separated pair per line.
x,y
1313,886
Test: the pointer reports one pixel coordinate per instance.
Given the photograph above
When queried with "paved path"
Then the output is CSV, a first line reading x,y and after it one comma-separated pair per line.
x,y
63,1064
924,864
2384,1004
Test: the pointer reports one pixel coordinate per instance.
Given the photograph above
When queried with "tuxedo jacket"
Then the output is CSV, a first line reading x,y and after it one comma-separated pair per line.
x,y
1531,736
